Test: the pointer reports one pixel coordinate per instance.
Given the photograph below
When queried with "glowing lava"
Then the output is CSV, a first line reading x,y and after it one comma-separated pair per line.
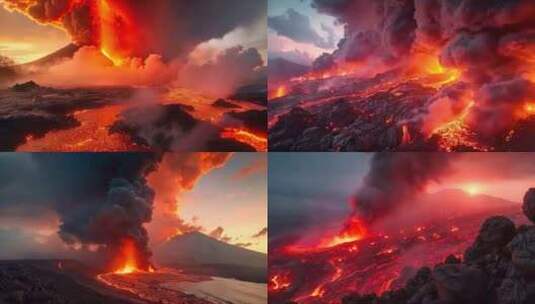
x,y
455,133
280,282
256,141
118,34
128,258
354,231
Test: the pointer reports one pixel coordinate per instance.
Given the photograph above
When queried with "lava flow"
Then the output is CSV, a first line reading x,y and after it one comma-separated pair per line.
x,y
445,83
377,263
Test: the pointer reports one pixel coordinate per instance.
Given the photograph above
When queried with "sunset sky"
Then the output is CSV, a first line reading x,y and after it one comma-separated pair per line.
x,y
234,198
24,40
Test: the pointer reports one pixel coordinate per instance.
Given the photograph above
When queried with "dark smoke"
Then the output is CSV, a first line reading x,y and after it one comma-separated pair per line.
x,y
490,41
101,199
396,178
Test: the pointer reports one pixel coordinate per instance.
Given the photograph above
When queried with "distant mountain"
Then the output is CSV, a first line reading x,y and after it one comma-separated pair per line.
x,y
455,198
280,69
200,253
53,58
444,204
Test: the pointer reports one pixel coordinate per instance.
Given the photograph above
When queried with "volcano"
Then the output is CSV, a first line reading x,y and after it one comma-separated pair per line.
x,y
439,227
198,252
171,73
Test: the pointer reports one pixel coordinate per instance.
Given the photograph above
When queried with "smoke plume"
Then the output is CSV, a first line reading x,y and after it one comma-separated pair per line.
x,y
100,199
490,43
176,174
396,178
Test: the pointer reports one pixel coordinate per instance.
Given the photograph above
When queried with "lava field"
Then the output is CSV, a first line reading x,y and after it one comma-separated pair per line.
x,y
382,264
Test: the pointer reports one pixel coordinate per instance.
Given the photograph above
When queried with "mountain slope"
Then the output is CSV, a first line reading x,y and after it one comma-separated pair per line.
x,y
200,249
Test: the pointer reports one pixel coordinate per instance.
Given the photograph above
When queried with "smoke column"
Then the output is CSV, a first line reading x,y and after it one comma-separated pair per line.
x,y
396,178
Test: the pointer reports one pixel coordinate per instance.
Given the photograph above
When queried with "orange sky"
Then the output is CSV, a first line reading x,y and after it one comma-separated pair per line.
x,y
24,40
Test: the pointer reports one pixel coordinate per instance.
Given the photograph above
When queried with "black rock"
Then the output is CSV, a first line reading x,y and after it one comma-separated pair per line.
x,y
25,87
495,233
221,103
529,204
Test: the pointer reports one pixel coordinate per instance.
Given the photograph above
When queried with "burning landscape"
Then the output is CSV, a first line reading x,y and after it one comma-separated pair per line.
x,y
133,228
84,75
389,75
420,228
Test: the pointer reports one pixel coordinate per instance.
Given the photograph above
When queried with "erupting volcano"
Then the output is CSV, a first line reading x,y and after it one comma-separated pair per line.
x,y
101,228
405,76
190,89
417,224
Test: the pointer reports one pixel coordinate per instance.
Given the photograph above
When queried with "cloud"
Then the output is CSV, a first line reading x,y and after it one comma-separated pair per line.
x,y
257,165
297,27
261,233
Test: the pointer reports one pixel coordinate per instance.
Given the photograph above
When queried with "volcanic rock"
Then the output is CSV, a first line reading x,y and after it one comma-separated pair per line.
x,y
253,120
494,234
172,128
25,87
460,284
221,103
529,204
523,252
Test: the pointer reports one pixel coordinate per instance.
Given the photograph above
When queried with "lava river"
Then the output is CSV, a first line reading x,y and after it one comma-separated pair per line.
x,y
375,264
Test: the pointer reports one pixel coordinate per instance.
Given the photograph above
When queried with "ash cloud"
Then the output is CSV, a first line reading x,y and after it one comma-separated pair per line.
x,y
175,175
100,199
395,178
490,42
296,26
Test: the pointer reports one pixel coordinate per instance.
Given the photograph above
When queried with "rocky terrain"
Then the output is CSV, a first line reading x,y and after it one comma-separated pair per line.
x,y
498,268
31,110
35,118
377,114
53,282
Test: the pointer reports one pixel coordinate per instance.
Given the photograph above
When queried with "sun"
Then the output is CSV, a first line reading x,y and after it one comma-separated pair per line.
x,y
472,189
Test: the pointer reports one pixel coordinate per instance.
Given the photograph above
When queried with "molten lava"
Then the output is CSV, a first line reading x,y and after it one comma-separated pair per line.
x,y
258,142
353,231
118,34
128,260
375,263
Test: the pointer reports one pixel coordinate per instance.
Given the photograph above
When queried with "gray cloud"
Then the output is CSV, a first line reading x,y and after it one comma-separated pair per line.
x,y
297,27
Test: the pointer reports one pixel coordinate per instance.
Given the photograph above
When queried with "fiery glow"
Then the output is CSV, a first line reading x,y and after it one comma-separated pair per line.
x,y
256,141
117,30
280,282
472,189
527,110
354,231
91,135
338,70
281,91
455,133
406,137
428,64
128,258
